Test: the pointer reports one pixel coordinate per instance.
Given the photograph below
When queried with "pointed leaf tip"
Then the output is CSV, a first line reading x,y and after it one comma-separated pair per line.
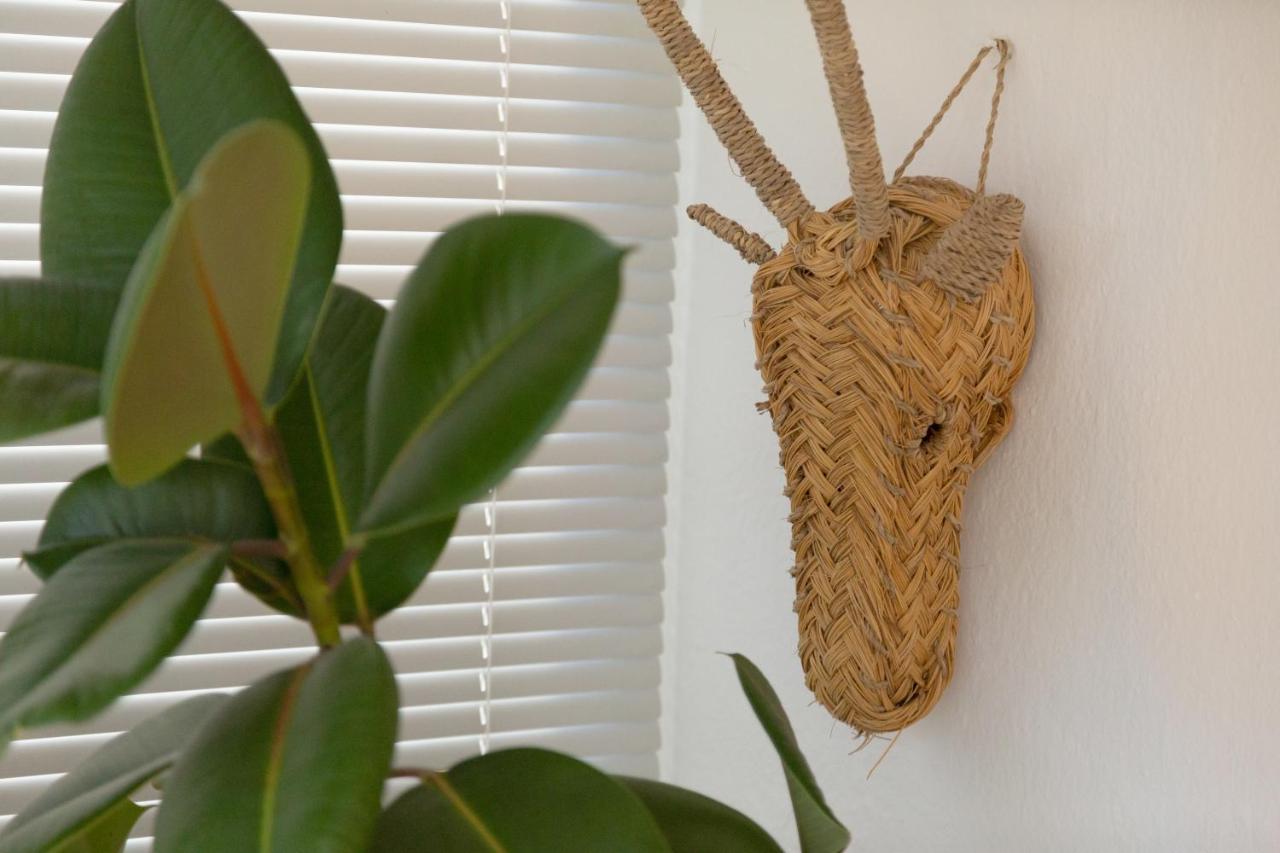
x,y
819,830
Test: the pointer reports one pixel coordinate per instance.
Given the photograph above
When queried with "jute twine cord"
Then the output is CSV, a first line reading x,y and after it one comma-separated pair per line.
x,y
772,181
942,111
1003,47
971,253
888,364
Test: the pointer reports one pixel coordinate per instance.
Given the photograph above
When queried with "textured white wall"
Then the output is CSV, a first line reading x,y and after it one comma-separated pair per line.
x,y
1117,678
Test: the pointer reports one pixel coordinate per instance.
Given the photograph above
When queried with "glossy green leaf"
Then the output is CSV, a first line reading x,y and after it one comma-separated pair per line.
x,y
294,763
227,449
527,800
693,823
208,289
157,88
321,423
197,498
204,499
101,624
107,834
52,337
491,336
87,804
267,579
820,831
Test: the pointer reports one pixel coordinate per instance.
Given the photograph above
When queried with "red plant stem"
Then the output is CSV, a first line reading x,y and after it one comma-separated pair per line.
x,y
262,443
342,567
259,548
263,447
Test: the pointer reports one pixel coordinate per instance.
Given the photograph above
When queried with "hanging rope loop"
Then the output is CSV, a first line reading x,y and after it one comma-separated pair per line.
x,y
1001,46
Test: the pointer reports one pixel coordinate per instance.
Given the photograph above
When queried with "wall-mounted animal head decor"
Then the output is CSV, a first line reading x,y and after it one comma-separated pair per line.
x,y
890,330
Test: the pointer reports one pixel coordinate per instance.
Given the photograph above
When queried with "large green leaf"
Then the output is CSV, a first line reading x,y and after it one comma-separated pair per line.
x,y
693,823
820,831
162,82
198,322
52,337
101,624
203,499
85,799
490,338
197,498
321,423
107,834
527,800
294,763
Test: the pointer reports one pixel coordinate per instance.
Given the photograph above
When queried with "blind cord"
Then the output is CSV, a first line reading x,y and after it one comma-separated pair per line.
x,y
491,508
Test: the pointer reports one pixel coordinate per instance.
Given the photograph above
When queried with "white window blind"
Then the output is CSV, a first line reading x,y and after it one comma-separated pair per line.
x,y
432,111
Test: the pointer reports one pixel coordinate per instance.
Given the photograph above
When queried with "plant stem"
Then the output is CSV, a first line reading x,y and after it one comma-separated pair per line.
x,y
409,773
263,446
340,569
262,443
248,567
339,572
259,548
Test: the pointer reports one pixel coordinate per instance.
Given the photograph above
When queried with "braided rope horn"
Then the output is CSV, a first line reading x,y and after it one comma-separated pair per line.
x,y
890,330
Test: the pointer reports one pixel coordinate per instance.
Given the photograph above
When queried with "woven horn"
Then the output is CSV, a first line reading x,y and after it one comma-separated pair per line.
x,y
853,114
771,180
750,245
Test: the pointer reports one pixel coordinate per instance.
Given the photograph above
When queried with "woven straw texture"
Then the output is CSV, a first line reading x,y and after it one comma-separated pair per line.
x,y
890,331
886,391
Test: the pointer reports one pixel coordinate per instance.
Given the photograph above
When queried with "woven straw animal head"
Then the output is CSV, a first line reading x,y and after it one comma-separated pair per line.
x,y
890,331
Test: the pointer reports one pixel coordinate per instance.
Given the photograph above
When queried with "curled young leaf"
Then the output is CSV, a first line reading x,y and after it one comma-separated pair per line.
x,y
194,338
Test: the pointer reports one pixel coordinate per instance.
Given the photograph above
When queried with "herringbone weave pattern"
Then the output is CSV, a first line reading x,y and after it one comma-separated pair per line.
x,y
889,331
886,391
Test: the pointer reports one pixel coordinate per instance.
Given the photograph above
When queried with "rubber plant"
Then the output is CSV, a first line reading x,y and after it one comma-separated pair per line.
x,y
190,228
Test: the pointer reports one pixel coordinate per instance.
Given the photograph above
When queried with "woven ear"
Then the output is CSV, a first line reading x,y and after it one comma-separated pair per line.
x,y
972,252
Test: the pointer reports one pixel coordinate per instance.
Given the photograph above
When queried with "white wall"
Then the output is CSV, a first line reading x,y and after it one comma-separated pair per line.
x,y
1116,684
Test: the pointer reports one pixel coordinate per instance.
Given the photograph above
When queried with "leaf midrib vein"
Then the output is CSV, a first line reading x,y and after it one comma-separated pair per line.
x,y
468,378
468,814
113,617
